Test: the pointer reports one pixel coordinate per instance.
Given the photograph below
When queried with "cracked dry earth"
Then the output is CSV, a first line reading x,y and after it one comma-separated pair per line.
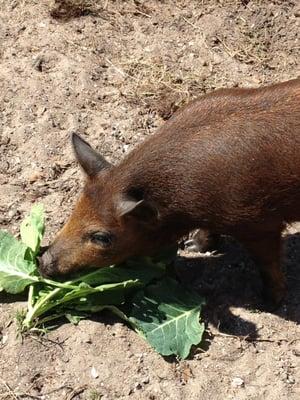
x,y
114,71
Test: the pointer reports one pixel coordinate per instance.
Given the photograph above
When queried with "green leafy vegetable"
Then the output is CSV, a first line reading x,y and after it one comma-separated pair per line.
x,y
168,317
32,229
139,292
15,272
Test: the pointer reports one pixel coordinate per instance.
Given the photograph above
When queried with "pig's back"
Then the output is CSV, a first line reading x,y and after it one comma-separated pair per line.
x,y
234,154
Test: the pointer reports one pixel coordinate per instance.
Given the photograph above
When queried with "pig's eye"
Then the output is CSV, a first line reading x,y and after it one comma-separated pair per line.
x,y
103,239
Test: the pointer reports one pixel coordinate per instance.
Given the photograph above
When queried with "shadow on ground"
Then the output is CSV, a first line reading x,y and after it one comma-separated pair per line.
x,y
232,279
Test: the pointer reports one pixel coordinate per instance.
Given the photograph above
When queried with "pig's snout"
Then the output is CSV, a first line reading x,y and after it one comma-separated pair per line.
x,y
47,263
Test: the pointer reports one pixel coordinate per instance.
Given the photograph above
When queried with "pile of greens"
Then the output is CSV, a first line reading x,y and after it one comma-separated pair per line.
x,y
140,292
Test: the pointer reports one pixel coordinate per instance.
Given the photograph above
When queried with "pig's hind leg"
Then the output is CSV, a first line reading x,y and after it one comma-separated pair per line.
x,y
265,247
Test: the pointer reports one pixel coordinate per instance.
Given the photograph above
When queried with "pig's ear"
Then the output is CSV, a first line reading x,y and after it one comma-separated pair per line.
x,y
91,162
139,209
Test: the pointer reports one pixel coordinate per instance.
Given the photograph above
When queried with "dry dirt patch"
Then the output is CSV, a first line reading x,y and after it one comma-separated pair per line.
x,y
114,70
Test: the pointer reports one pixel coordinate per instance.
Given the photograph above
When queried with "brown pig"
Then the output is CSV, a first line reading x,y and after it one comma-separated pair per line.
x,y
227,163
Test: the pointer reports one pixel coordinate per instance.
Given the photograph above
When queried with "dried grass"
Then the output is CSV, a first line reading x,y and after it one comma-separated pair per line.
x,y
159,86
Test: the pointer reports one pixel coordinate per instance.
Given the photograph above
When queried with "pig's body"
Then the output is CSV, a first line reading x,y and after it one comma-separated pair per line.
x,y
228,162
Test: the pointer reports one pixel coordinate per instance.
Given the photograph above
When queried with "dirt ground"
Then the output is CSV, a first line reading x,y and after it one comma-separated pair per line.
x,y
114,71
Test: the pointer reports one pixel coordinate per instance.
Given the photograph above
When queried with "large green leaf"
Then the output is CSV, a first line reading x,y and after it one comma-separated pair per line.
x,y
168,317
15,272
32,229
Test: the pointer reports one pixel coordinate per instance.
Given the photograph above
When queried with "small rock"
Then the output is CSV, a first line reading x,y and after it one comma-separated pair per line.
x,y
138,386
4,166
12,213
35,176
38,63
4,339
4,140
146,380
237,382
94,373
296,352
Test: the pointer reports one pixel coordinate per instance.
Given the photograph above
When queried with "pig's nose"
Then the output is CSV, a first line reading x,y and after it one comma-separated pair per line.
x,y
47,264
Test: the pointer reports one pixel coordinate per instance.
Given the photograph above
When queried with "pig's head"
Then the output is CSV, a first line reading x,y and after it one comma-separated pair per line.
x,y
108,224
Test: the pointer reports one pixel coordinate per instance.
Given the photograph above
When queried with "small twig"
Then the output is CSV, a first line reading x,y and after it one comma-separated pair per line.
x,y
249,338
190,23
42,395
139,12
76,392
56,390
29,395
9,390
231,336
293,341
123,73
41,340
229,51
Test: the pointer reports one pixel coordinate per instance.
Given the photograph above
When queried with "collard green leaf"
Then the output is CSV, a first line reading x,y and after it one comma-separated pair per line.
x,y
142,269
32,229
15,272
80,295
108,291
167,316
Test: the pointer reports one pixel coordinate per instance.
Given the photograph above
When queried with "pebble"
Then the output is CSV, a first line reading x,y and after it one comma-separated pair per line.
x,y
35,176
290,380
12,213
94,373
4,339
237,382
138,386
297,12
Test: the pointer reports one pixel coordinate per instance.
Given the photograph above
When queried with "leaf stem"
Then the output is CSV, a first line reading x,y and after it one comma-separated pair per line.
x,y
63,285
30,298
38,308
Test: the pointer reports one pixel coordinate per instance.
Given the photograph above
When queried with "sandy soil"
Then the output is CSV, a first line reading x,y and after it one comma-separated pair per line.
x,y
114,71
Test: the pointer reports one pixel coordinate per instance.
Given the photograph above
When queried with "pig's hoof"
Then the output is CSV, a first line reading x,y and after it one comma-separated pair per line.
x,y
193,246
202,241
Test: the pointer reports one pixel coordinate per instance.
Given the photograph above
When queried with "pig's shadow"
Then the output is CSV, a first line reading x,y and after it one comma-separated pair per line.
x,y
233,280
